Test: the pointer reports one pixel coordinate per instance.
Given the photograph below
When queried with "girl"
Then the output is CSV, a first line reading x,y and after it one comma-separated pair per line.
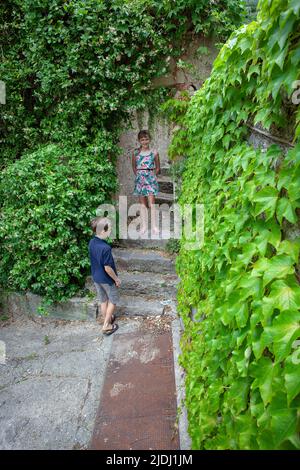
x,y
146,166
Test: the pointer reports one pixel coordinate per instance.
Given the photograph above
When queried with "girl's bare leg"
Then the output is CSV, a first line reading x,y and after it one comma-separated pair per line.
x,y
144,214
151,199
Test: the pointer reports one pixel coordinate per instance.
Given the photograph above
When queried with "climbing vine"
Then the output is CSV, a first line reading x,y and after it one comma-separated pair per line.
x,y
241,349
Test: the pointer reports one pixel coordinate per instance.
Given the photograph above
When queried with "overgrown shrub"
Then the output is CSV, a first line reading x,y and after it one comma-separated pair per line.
x,y
241,350
47,200
71,67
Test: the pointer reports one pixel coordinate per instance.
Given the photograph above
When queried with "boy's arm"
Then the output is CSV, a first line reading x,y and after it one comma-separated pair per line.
x,y
107,264
109,270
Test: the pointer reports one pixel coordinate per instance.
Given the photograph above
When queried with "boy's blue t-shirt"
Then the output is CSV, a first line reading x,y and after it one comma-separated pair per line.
x,y
100,256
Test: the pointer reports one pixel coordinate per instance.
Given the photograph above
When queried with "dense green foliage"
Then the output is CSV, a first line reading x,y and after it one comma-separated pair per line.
x,y
240,350
71,67
74,70
48,198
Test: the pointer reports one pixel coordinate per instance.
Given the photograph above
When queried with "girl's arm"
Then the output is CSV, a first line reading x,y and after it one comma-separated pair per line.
x,y
157,163
133,161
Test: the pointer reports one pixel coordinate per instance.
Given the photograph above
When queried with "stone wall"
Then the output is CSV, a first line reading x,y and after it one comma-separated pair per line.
x,y
200,54
14,305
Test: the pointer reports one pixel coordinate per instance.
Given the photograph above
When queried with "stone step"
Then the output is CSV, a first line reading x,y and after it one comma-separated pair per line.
x,y
166,184
135,259
164,179
164,197
139,283
76,308
165,171
166,187
85,308
140,306
159,244
151,240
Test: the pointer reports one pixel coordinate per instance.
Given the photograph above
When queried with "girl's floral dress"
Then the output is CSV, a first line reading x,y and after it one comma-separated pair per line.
x,y
145,179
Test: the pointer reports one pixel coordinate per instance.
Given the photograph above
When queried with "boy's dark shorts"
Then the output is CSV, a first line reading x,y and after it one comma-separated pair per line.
x,y
107,292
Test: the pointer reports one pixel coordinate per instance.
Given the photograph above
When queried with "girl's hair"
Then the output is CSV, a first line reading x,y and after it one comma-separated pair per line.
x,y
143,133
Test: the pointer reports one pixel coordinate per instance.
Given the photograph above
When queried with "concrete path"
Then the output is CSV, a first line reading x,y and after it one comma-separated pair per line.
x,y
138,403
50,384
61,380
52,381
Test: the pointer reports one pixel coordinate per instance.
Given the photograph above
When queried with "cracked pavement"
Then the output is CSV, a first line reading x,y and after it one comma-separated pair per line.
x,y
51,382
53,375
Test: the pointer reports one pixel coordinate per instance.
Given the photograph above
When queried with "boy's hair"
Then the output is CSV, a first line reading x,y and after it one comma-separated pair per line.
x,y
94,223
143,133
99,223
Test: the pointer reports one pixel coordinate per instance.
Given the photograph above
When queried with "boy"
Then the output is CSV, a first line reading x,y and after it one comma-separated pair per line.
x,y
104,273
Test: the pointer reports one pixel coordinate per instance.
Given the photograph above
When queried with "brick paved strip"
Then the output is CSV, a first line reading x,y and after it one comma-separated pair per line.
x,y
137,408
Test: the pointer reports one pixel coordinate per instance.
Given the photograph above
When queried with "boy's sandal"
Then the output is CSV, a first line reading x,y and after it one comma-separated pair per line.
x,y
111,331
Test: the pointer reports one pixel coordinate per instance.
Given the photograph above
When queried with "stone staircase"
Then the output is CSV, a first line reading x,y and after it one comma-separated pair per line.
x,y
165,196
148,282
147,274
166,186
148,289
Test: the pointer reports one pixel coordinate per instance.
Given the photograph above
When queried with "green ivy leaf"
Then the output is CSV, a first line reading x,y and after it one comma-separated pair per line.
x,y
264,372
249,250
241,314
242,360
294,193
250,286
256,404
261,242
265,439
246,430
262,115
259,267
294,4
285,294
285,30
283,425
291,248
285,328
277,267
259,343
274,236
292,375
266,200
285,209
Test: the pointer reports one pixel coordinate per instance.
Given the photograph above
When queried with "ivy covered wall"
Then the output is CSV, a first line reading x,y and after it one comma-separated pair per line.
x,y
241,348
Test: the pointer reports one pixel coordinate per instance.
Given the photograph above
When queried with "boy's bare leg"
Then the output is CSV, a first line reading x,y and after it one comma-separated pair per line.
x,y
102,306
108,316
